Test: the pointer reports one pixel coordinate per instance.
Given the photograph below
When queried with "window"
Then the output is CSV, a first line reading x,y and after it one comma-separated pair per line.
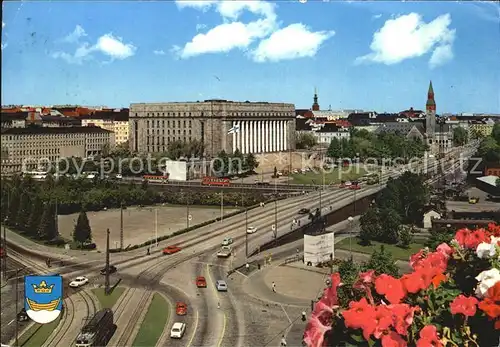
x,y
184,124
190,123
178,123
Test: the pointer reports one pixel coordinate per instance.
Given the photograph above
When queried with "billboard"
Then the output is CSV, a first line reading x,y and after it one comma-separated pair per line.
x,y
318,249
177,170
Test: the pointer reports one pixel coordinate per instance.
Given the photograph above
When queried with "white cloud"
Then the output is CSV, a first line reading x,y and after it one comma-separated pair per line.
x,y
232,35
294,41
441,55
107,44
3,25
408,36
159,52
277,44
377,16
4,45
199,5
75,35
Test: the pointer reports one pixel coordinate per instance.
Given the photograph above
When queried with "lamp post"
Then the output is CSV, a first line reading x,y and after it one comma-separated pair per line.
x,y
106,279
121,225
350,220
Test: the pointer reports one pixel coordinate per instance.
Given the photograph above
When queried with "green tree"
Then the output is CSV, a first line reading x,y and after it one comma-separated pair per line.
x,y
35,216
459,136
438,236
82,232
251,162
237,162
495,133
305,140
390,223
334,149
46,223
13,203
24,211
382,262
349,272
370,224
497,182
405,236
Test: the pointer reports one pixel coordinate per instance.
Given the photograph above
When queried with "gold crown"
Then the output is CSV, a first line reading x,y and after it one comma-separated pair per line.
x,y
43,288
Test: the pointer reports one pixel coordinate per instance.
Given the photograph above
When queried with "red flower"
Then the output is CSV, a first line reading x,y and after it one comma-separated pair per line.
x,y
383,320
412,282
391,288
402,317
330,297
363,283
436,280
494,229
471,239
491,304
361,315
464,305
429,337
417,257
315,332
393,340
323,312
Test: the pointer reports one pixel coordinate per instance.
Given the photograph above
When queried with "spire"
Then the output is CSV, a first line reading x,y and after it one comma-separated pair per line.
x,y
315,106
430,106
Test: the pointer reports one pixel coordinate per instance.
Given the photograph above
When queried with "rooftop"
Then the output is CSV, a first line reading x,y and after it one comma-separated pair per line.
x,y
491,180
56,130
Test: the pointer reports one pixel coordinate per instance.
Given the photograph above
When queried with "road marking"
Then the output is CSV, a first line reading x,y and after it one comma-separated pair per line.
x,y
213,283
206,263
242,274
286,314
194,330
223,331
12,321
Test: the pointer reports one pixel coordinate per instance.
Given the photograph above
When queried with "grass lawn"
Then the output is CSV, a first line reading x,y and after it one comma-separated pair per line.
x,y
332,176
38,334
108,301
154,322
397,252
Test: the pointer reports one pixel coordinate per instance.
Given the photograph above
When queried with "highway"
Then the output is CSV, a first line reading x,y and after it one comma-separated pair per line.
x,y
144,273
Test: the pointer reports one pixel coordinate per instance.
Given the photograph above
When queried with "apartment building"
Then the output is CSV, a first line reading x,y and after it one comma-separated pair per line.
x,y
115,121
27,148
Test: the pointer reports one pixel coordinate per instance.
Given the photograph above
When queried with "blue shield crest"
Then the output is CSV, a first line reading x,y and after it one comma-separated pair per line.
x,y
43,298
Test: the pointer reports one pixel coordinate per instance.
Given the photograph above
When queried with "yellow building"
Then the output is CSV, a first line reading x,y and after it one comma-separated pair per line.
x,y
481,128
115,121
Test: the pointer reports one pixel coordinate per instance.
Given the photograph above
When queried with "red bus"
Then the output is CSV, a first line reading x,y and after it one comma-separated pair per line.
x,y
215,181
153,178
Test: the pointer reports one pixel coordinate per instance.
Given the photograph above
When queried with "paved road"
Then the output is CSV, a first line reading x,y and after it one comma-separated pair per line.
x,y
202,243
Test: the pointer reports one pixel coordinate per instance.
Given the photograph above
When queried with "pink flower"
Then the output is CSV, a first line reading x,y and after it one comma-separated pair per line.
x,y
364,281
464,305
315,332
417,257
445,249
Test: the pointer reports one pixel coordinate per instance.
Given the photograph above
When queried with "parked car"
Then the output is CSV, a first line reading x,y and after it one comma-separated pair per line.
x,y
78,282
227,241
112,269
304,211
201,282
181,309
221,286
171,249
251,230
178,330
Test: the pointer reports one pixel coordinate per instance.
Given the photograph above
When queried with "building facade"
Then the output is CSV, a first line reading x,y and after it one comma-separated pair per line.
x,y
26,148
438,135
251,127
115,121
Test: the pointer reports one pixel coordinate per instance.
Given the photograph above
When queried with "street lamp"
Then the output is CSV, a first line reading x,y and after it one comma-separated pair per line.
x,y
350,220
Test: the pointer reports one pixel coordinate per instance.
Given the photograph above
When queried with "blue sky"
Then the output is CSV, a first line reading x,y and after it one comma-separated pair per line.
x,y
365,55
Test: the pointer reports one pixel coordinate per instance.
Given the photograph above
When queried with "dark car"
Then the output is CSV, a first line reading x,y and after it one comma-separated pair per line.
x,y
22,316
112,269
304,211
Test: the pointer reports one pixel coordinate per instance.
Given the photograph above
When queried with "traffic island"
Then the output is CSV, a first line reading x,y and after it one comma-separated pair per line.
x,y
154,322
397,252
108,301
37,334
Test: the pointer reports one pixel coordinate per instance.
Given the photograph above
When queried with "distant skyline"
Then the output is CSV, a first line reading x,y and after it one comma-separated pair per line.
x,y
359,55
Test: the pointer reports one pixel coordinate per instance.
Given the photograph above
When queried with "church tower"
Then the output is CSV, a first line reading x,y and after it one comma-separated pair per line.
x,y
315,105
430,115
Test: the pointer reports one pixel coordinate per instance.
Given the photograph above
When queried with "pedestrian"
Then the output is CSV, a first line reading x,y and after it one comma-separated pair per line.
x,y
148,251
218,304
283,341
274,287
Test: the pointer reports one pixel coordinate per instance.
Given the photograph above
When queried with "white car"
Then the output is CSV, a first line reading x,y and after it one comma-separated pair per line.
x,y
177,330
78,282
251,230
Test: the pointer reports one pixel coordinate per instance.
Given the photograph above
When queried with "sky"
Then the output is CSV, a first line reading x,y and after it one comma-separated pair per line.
x,y
358,54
